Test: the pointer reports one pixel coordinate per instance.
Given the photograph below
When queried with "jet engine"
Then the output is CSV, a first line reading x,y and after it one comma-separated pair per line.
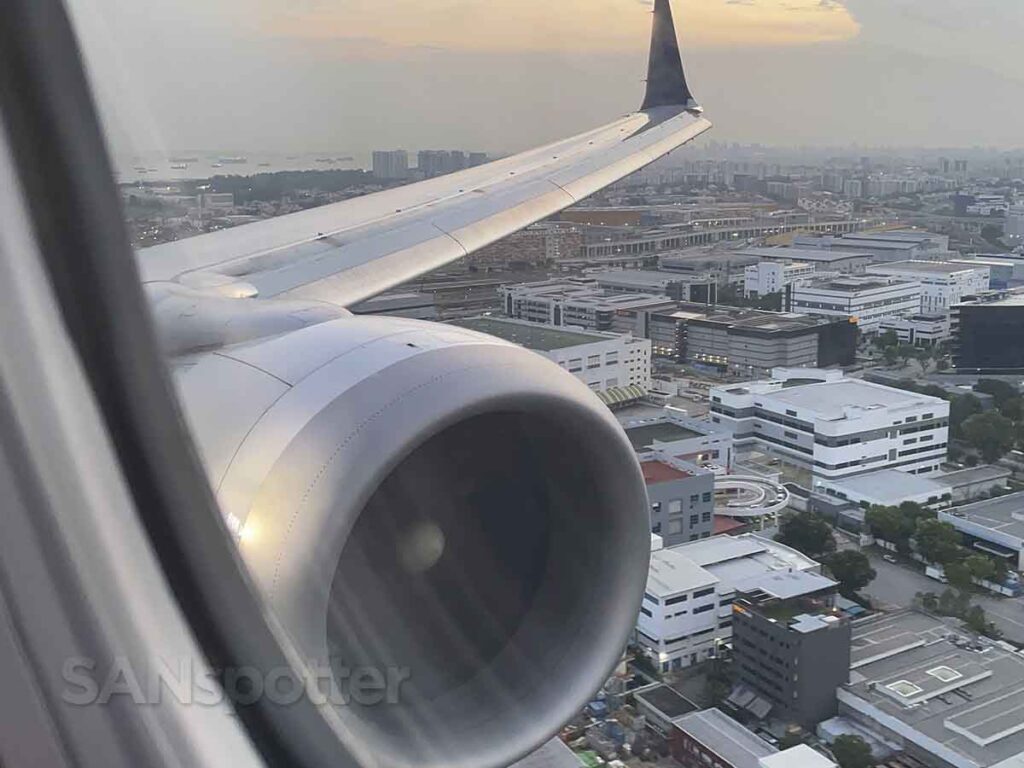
x,y
429,507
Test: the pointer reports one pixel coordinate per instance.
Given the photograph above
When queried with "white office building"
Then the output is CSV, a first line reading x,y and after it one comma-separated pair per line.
x,y
919,330
577,302
822,259
865,299
767,277
686,616
943,283
616,367
834,426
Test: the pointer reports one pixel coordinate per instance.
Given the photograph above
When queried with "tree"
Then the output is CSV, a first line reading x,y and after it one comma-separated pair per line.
x,y
852,752
981,567
807,533
905,352
887,340
937,542
959,576
890,355
1013,409
1000,390
992,434
885,523
978,623
852,570
961,408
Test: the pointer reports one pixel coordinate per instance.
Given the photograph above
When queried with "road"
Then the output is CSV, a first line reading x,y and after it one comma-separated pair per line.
x,y
897,584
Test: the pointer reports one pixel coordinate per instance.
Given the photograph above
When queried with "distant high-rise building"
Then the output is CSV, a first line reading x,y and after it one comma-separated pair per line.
x,y
437,162
391,164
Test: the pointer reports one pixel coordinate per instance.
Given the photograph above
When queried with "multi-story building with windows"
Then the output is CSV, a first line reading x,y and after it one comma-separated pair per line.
x,y
682,501
687,609
767,277
792,651
943,283
836,426
924,330
580,302
987,333
866,299
823,260
391,165
614,366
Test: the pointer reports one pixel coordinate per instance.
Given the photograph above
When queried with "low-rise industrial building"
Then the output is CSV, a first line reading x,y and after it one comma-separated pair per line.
x,y
835,426
767,277
947,700
896,245
616,367
674,434
823,260
887,488
866,299
712,739
918,330
579,303
673,285
687,616
943,283
994,526
968,484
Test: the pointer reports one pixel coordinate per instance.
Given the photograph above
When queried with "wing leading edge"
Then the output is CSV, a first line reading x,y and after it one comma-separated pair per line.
x,y
349,251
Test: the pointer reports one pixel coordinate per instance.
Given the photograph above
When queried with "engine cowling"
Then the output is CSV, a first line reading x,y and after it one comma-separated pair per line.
x,y
453,511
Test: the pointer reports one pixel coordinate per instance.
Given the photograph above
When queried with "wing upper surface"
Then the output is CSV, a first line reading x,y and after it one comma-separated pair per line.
x,y
349,251
352,250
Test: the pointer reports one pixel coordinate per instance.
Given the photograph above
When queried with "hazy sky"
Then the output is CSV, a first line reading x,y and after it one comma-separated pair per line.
x,y
499,75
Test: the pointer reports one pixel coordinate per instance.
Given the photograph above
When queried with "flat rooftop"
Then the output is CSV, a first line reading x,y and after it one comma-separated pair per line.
x,y
890,484
972,475
828,400
1014,298
804,254
645,435
666,700
725,737
639,278
660,472
672,573
530,335
1003,515
966,696
748,562
925,267
855,284
800,756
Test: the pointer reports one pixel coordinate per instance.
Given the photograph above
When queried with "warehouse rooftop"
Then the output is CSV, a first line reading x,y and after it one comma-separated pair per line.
x,y
531,335
955,696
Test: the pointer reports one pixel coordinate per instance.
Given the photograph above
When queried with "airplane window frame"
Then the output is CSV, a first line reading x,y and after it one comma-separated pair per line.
x,y
61,160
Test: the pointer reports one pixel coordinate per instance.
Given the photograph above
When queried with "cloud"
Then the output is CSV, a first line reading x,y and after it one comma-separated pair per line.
x,y
581,25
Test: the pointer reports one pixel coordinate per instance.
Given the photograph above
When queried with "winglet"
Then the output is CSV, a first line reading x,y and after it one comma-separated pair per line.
x,y
666,82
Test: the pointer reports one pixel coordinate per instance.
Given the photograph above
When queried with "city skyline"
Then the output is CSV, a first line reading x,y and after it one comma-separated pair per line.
x,y
364,76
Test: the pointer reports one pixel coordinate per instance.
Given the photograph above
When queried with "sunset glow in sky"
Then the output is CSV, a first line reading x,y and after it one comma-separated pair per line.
x,y
537,25
503,75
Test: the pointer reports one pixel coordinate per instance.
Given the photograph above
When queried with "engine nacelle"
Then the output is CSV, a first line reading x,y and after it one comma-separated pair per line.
x,y
451,510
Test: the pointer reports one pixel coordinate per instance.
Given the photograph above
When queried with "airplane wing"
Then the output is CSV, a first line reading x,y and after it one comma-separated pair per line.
x,y
350,251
